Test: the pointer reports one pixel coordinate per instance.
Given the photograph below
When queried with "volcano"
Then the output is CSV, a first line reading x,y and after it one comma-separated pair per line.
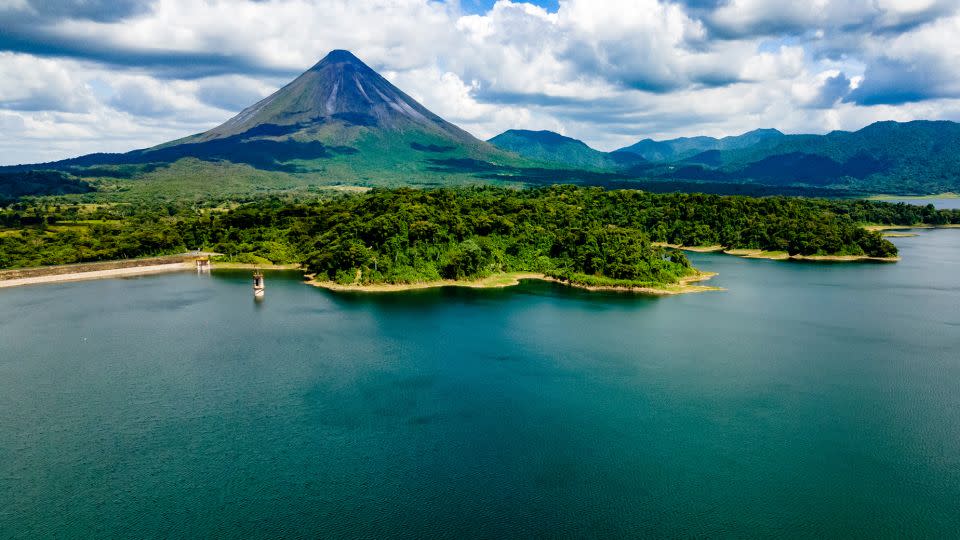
x,y
338,122
339,116
340,90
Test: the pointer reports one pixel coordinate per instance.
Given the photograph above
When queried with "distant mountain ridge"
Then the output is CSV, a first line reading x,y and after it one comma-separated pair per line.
x,y
684,147
555,148
920,157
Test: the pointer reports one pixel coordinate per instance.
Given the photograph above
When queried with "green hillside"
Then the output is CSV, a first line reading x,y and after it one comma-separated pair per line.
x,y
685,147
551,147
886,157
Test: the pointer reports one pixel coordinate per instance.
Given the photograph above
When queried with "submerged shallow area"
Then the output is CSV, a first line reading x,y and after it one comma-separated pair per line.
x,y
808,400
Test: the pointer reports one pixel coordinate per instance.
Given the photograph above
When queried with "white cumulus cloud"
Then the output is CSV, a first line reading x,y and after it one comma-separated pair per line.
x,y
112,76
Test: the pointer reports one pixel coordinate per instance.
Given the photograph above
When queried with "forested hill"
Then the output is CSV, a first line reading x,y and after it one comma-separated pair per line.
x,y
918,157
582,234
555,148
685,147
14,186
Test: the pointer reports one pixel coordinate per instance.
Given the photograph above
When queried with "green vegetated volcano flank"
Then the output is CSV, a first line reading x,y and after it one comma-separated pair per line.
x,y
339,122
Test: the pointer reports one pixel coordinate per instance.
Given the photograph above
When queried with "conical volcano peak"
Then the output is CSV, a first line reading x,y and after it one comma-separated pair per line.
x,y
339,56
340,90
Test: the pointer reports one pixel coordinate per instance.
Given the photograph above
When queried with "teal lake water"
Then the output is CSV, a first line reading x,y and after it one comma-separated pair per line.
x,y
809,400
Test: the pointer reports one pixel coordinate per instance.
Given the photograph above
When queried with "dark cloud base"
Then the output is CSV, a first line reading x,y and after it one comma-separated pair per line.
x,y
160,64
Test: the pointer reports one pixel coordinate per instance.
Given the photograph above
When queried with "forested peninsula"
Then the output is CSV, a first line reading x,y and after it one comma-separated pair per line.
x,y
584,236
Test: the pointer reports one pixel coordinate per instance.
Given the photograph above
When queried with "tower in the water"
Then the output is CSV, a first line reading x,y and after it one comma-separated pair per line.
x,y
258,287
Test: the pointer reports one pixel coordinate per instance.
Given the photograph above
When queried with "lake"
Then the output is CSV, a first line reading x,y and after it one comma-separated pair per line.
x,y
938,203
808,400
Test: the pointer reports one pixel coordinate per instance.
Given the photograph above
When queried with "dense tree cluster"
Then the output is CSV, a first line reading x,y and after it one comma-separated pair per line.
x,y
891,214
14,185
406,235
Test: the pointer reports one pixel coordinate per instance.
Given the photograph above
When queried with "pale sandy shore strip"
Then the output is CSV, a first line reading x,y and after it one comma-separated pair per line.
x,y
779,255
782,256
685,285
493,282
918,198
97,274
252,266
908,227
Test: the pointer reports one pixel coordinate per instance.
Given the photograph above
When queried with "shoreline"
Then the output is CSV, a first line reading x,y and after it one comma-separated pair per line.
x,y
779,255
97,274
881,198
881,228
249,266
784,256
716,248
182,262
510,279
43,275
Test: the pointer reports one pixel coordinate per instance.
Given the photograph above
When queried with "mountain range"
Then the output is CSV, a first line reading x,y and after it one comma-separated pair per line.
x,y
341,123
919,157
684,147
552,147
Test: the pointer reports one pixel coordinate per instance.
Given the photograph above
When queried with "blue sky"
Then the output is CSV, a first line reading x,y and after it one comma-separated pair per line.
x,y
482,6
80,76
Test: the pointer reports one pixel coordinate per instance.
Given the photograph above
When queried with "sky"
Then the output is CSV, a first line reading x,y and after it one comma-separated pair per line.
x,y
82,76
